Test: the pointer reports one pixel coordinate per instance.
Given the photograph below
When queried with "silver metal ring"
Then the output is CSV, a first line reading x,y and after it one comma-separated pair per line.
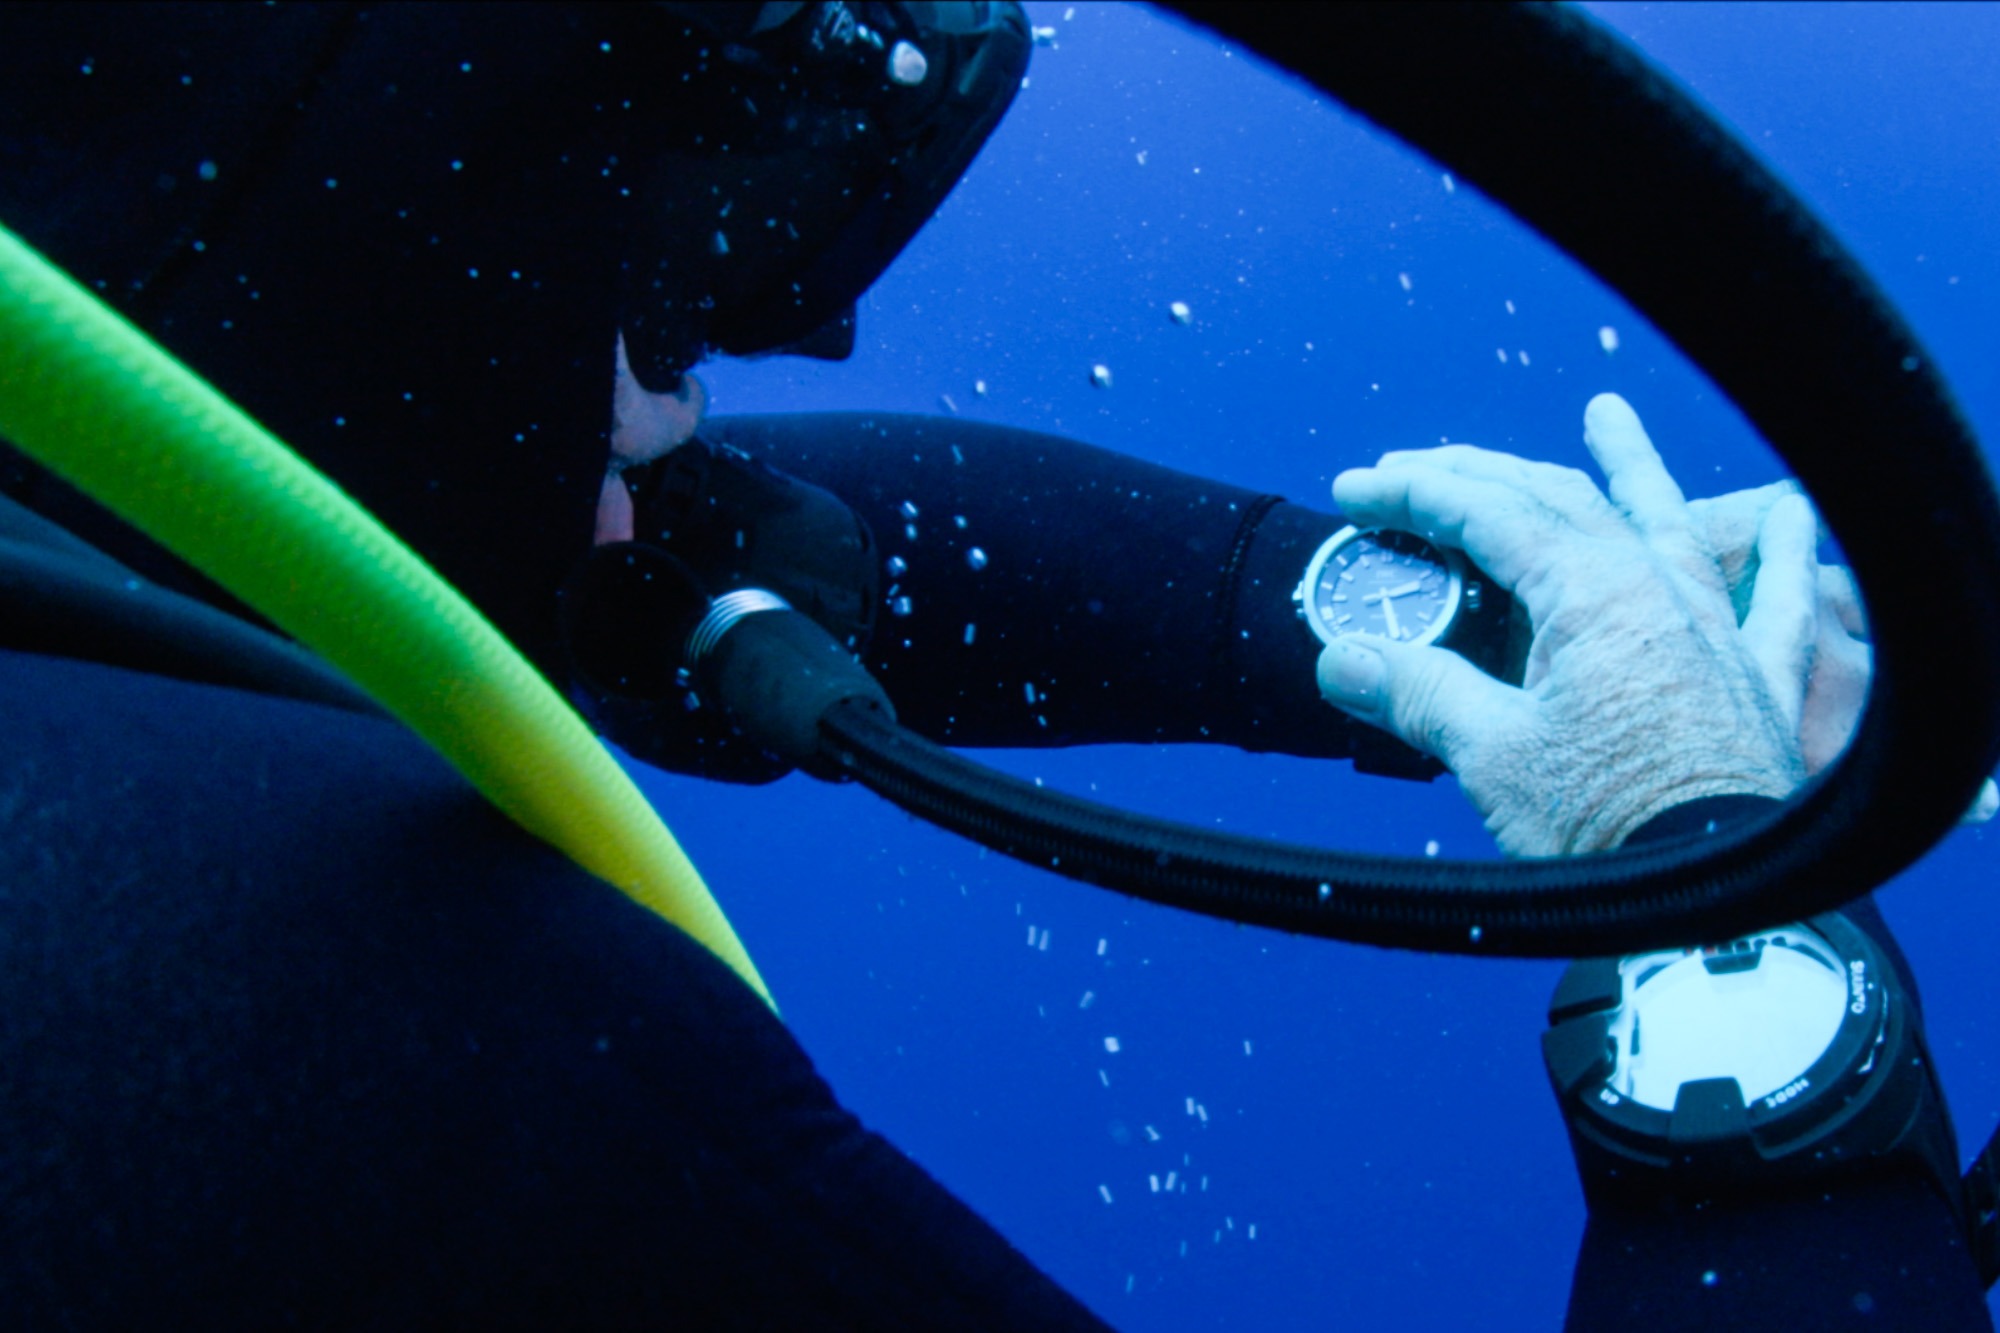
x,y
723,613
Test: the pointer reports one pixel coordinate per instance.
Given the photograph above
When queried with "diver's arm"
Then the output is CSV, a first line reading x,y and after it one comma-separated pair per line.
x,y
1037,591
1111,599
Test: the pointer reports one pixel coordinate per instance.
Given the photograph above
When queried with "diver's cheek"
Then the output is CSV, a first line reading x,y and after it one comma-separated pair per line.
x,y
646,425
614,511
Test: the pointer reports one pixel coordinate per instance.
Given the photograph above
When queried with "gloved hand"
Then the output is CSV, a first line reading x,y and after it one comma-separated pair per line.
x,y
1842,662
1642,691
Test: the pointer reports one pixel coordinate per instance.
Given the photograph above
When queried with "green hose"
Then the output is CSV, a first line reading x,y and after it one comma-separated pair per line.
x,y
97,401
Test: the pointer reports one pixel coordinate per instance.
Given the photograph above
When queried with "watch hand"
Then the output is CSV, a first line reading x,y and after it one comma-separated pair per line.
x,y
1404,591
1389,616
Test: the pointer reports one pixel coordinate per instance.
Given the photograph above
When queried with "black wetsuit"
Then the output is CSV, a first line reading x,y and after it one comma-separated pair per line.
x,y
293,1029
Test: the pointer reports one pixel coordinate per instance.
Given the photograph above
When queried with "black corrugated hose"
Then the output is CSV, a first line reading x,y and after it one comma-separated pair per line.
x,y
1559,121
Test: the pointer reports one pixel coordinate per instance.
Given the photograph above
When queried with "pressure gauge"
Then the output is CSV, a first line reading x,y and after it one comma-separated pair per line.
x,y
1394,585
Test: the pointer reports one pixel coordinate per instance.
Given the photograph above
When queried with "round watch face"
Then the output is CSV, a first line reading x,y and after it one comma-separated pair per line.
x,y
1394,585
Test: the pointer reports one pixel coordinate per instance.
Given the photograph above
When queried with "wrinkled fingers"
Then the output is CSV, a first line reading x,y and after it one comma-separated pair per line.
x,y
1783,624
1506,531
1641,486
1565,490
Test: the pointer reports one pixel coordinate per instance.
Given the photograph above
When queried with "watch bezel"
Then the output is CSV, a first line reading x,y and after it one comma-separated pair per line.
x,y
1309,610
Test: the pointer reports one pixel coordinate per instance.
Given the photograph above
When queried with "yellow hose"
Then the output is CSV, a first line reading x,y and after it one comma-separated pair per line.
x,y
97,401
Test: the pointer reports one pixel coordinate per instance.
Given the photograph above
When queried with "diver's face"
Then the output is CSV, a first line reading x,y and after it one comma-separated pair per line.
x,y
644,426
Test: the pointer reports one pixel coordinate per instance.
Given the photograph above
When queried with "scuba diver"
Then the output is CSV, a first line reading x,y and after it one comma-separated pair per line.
x,y
298,1030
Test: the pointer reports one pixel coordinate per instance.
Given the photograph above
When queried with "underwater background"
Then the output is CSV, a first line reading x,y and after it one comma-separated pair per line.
x,y
1198,1125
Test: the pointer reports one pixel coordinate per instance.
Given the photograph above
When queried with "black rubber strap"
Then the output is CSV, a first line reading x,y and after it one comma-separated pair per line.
x,y
1700,818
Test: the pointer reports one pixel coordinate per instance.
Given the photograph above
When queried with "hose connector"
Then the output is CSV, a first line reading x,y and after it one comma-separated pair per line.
x,y
775,673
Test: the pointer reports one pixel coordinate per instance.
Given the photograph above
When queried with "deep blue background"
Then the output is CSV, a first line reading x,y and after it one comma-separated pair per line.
x,y
1380,1119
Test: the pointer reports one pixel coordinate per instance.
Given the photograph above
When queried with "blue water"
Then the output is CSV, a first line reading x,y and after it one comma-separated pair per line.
x,y
1381,1120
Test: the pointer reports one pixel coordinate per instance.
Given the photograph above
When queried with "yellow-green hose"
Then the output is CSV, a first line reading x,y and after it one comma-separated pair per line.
x,y
97,401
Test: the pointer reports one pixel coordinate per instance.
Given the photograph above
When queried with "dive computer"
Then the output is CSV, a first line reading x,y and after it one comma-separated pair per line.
x,y
1778,1057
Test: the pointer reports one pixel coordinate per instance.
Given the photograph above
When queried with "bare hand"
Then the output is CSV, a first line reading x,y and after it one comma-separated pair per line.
x,y
1642,691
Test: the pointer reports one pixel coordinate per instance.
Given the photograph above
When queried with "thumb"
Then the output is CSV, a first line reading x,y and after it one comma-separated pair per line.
x,y
1428,698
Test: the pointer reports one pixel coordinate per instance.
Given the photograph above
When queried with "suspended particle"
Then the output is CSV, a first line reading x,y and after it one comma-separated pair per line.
x,y
1111,1045
976,558
1431,847
901,606
897,566
1450,186
1501,352
1153,1182
1042,945
718,244
1510,307
979,387
909,532
1100,376
1102,945
1045,37
958,521
1325,892
1105,1192
1246,1046
1522,357
1089,996
1180,313
944,400
1104,1078
1607,338
1152,1135
970,630
907,65
1404,278
909,510
1476,934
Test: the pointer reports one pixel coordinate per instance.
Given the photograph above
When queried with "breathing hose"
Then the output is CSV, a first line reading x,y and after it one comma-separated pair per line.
x,y
1527,100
